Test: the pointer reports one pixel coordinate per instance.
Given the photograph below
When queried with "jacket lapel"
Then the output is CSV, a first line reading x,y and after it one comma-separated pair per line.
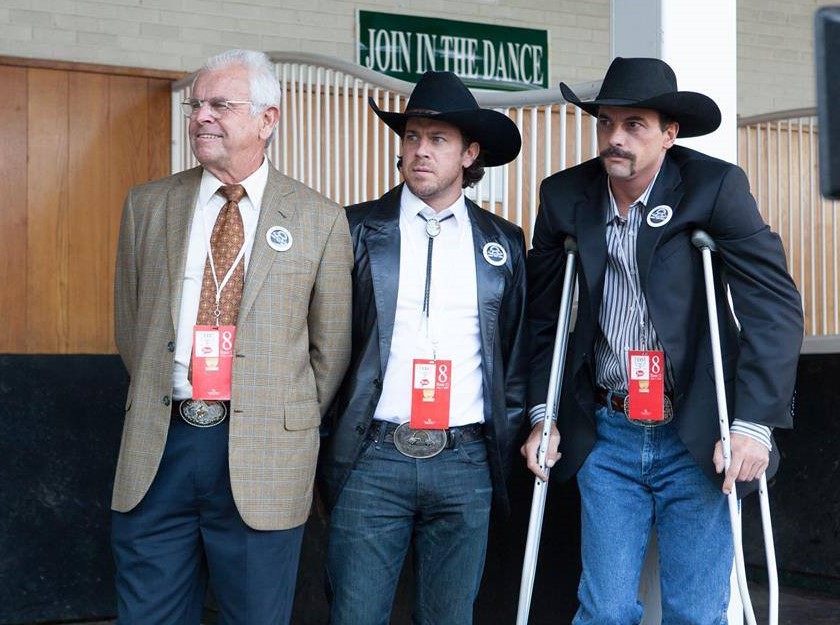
x,y
278,208
666,191
490,283
383,246
180,207
591,231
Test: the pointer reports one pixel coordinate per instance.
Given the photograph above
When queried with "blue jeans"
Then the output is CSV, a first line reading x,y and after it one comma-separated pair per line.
x,y
634,478
440,505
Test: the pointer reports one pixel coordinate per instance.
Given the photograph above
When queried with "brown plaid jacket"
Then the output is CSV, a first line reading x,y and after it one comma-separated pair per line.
x,y
292,341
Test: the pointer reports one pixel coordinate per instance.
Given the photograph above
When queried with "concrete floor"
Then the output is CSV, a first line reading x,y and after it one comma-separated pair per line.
x,y
796,607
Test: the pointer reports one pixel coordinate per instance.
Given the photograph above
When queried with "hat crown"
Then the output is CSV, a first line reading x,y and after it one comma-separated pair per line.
x,y
440,92
442,96
648,83
637,79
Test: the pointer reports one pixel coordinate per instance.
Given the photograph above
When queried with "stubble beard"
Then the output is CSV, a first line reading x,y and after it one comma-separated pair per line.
x,y
430,189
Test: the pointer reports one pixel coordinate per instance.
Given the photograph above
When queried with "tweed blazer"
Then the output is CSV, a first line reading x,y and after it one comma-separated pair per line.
x,y
292,341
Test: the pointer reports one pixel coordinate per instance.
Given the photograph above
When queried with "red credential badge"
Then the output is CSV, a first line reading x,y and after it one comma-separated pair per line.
x,y
430,385
646,388
212,361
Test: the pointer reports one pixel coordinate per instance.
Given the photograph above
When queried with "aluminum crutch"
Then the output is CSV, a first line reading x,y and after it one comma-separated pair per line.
x,y
706,245
555,383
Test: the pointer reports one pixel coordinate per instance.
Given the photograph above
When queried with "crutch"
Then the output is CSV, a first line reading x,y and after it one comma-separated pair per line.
x,y
555,382
706,245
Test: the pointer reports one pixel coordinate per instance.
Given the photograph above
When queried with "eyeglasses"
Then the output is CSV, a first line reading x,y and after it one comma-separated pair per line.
x,y
218,106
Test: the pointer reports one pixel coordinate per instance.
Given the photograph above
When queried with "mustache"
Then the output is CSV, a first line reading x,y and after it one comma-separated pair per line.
x,y
617,153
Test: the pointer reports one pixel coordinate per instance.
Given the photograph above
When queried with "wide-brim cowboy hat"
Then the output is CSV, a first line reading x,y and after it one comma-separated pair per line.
x,y
651,84
442,96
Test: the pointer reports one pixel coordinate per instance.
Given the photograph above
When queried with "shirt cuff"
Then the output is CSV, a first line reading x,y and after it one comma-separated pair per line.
x,y
756,431
536,414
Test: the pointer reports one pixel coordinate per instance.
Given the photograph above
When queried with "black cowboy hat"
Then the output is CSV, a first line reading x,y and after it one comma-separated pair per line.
x,y
651,84
442,96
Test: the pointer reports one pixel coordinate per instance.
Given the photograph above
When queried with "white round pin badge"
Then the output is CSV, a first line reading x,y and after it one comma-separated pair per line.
x,y
494,254
659,216
279,238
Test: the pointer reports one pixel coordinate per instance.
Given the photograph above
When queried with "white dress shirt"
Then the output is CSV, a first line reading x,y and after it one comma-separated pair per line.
x,y
453,329
207,206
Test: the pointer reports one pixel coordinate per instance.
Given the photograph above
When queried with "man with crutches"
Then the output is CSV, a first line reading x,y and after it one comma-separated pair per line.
x,y
637,419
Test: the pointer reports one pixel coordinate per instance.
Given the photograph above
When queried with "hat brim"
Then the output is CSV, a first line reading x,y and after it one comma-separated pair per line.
x,y
495,132
697,114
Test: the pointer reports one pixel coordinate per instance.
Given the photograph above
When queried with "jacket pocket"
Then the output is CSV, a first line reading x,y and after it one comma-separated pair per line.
x,y
302,415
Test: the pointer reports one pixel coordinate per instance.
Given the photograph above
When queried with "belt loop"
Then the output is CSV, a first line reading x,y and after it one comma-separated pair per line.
x,y
381,426
455,433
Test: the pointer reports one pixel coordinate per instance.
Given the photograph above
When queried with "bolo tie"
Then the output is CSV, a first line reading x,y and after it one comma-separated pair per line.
x,y
432,231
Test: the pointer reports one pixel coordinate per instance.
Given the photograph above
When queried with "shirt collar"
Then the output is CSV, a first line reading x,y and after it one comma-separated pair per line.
x,y
641,200
254,186
411,206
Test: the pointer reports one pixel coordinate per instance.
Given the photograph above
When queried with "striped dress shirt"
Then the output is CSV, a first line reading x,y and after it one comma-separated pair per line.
x,y
623,318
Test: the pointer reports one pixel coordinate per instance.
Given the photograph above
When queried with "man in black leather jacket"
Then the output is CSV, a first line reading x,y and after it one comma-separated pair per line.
x,y
424,431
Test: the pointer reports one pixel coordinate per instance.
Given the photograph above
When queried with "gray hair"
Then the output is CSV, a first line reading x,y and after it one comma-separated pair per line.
x,y
264,86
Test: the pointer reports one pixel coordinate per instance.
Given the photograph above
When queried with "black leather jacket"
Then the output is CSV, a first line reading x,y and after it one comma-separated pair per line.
x,y
501,309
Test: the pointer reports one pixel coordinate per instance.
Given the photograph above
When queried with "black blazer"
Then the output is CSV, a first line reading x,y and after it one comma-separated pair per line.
x,y
759,362
501,310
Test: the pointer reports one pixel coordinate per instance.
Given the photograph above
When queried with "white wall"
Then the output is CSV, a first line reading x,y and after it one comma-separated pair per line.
x,y
775,49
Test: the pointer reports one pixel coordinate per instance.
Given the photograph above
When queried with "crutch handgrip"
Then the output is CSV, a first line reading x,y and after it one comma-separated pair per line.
x,y
701,239
570,245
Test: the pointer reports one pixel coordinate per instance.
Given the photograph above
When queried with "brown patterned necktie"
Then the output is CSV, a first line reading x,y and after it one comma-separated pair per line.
x,y
227,239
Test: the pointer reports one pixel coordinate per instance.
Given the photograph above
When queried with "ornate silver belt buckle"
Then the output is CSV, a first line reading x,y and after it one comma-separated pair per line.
x,y
667,412
419,443
202,413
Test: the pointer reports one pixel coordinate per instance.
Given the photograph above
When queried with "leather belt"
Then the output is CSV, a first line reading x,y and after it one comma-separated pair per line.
x,y
201,413
423,443
618,403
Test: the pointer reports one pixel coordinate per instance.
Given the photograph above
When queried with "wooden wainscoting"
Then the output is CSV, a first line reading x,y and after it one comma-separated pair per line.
x,y
75,138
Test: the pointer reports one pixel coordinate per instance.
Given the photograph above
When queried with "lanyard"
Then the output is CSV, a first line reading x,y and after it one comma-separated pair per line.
x,y
221,285
622,234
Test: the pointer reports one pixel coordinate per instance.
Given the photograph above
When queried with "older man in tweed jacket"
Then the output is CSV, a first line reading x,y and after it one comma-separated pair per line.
x,y
218,490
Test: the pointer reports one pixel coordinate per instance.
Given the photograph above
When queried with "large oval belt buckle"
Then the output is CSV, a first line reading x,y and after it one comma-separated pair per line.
x,y
419,443
201,413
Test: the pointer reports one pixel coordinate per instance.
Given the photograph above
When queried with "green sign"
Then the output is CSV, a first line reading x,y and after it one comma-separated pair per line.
x,y
482,55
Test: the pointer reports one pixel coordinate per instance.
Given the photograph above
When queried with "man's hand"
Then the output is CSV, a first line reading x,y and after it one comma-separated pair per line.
x,y
749,460
531,448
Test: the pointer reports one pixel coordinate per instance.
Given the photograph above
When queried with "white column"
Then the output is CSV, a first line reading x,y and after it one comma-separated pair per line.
x,y
698,40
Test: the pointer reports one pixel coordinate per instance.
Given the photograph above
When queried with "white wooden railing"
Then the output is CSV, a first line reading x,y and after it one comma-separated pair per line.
x,y
329,139
779,152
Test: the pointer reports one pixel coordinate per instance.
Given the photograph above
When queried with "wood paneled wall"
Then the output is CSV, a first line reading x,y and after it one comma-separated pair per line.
x,y
74,139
